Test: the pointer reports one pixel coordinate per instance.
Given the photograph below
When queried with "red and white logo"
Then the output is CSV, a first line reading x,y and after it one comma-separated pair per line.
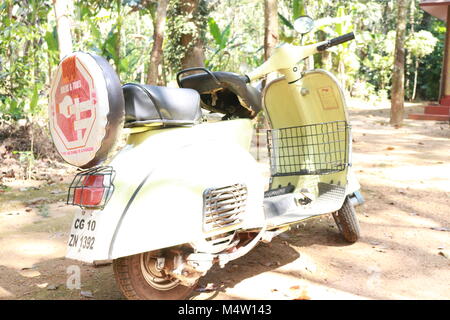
x,y
74,99
76,116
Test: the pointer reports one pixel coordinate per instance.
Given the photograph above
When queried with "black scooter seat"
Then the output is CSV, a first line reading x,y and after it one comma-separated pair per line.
x,y
146,104
235,98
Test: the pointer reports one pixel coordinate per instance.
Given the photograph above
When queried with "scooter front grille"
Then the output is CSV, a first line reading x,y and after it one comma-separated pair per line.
x,y
222,207
314,149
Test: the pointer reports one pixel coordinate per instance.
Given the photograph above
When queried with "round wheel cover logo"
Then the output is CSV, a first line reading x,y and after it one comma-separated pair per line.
x,y
77,118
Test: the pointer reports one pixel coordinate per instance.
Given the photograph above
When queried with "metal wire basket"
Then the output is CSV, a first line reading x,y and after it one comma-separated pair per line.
x,y
315,149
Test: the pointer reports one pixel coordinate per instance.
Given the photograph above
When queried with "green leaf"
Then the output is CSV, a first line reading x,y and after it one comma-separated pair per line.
x,y
124,64
285,21
109,46
85,12
95,31
13,106
52,43
324,23
15,110
341,26
225,35
287,39
34,99
298,9
215,31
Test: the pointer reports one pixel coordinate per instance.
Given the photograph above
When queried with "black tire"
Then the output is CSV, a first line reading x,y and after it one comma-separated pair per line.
x,y
347,222
131,280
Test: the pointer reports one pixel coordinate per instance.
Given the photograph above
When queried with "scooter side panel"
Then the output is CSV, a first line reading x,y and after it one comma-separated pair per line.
x,y
159,184
168,209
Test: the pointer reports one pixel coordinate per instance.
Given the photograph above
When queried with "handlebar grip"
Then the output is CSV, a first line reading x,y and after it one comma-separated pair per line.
x,y
336,41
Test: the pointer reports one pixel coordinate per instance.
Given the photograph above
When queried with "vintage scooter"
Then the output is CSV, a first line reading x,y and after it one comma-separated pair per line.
x,y
183,193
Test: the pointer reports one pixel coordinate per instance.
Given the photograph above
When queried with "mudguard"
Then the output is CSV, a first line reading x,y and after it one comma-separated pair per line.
x,y
161,176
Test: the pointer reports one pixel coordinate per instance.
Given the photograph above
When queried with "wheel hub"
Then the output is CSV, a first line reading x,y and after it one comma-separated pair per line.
x,y
154,273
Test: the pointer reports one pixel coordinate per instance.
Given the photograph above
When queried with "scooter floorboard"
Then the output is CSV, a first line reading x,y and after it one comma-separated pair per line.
x,y
287,208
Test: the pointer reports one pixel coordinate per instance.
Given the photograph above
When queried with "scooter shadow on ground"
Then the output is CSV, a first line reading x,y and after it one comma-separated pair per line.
x,y
268,257
58,279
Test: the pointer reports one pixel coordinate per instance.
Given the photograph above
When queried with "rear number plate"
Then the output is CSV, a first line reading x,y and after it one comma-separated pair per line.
x,y
82,234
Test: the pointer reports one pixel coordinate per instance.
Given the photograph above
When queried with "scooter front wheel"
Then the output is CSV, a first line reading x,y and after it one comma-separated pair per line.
x,y
347,222
139,278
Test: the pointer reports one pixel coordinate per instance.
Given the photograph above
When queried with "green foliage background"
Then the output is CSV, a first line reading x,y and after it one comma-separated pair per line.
x,y
233,33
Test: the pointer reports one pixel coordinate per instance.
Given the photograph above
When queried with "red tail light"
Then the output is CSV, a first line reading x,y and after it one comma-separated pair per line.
x,y
92,188
91,191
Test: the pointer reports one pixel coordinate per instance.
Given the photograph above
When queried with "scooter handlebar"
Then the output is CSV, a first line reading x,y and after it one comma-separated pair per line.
x,y
287,55
336,41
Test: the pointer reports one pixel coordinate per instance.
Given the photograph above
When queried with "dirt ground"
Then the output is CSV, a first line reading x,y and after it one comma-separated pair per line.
x,y
404,251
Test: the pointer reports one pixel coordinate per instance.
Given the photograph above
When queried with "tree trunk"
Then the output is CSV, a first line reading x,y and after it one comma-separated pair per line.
x,y
416,73
270,27
118,42
412,7
386,13
194,56
270,31
154,77
10,49
444,89
398,89
63,27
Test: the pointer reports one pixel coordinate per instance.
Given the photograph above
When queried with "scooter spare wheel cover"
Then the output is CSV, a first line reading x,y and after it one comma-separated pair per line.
x,y
86,109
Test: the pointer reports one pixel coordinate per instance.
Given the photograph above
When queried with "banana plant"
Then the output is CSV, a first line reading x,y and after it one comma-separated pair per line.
x,y
347,61
298,10
223,42
51,39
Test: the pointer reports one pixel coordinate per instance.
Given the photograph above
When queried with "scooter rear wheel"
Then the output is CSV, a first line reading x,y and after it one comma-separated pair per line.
x,y
347,222
138,278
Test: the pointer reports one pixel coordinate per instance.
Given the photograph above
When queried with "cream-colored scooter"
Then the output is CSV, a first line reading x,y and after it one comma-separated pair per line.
x,y
185,193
